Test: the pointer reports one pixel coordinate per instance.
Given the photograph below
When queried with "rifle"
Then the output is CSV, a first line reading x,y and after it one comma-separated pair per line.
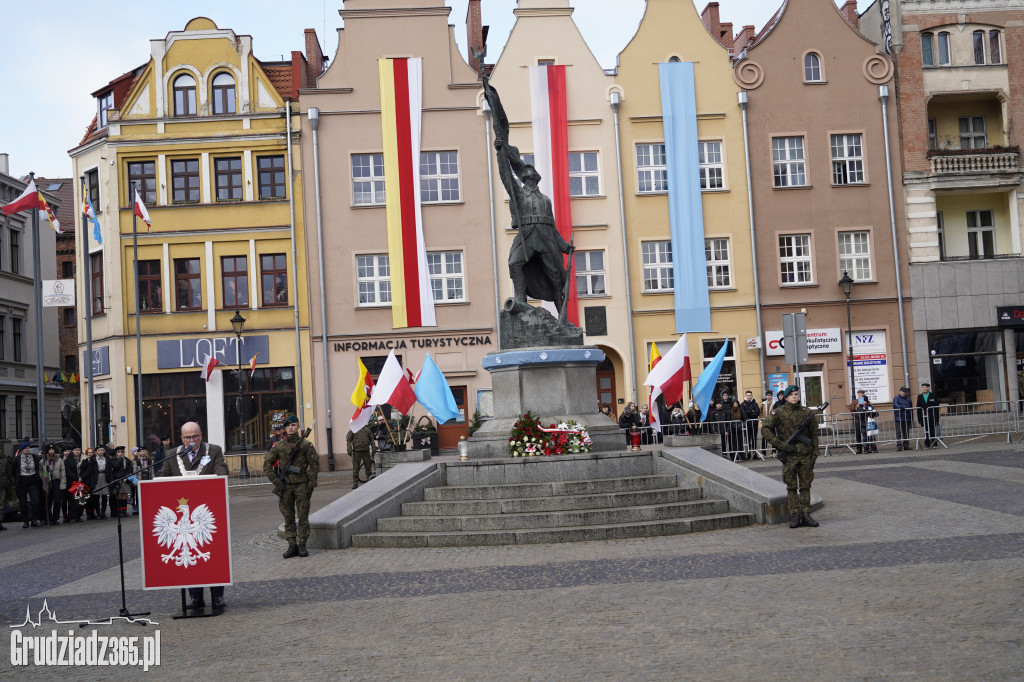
x,y
287,468
797,434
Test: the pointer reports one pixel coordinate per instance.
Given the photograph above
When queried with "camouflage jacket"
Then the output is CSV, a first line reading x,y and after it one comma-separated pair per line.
x,y
778,427
361,441
305,467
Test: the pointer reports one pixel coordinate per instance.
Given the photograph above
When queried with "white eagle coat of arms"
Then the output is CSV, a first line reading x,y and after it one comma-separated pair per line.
x,y
185,535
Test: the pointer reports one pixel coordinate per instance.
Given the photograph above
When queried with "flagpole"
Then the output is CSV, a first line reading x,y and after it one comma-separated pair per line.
x,y
138,331
37,276
87,287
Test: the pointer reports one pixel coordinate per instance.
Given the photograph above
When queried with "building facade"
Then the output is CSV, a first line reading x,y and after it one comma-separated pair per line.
x,y
205,133
821,181
19,401
346,204
960,86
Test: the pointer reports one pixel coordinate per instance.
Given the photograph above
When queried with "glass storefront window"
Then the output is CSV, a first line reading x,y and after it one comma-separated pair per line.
x,y
268,392
168,401
967,367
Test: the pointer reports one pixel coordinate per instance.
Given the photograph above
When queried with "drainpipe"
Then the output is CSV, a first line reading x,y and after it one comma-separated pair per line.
x,y
494,226
314,121
883,96
743,98
295,272
615,101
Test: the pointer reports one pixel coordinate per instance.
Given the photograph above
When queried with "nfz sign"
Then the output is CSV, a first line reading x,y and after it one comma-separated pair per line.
x,y
1010,316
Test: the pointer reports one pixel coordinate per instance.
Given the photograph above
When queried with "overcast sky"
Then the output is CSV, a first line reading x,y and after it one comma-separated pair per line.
x,y
59,52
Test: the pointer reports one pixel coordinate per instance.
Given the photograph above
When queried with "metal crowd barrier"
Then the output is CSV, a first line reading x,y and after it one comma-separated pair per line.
x,y
254,462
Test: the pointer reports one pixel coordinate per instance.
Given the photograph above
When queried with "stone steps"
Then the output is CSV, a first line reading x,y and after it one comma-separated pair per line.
x,y
556,511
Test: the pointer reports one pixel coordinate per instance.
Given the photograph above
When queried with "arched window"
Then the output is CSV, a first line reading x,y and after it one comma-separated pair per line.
x,y
184,95
223,94
673,59
812,68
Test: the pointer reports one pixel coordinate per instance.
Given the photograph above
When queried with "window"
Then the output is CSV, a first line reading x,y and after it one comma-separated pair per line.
x,y
447,278
716,252
943,49
933,134
373,277
928,49
71,363
652,173
439,177
223,94
657,260
19,417
104,103
367,179
185,181
978,40
590,273
235,281
972,132
67,269
855,255
995,51
14,243
143,174
545,62
788,161
812,68
981,235
188,284
3,417
185,95
150,292
271,175
68,316
17,340
795,259
33,418
92,181
96,275
265,391
3,337
274,276
227,174
709,157
847,160
940,229
584,178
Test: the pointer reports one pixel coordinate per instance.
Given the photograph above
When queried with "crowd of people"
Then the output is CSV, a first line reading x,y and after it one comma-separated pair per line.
x,y
46,484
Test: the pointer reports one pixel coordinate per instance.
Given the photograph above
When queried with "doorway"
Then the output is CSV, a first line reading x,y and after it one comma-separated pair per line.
x,y
448,433
606,384
812,382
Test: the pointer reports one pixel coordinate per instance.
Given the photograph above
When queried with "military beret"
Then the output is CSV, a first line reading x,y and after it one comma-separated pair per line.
x,y
790,389
291,419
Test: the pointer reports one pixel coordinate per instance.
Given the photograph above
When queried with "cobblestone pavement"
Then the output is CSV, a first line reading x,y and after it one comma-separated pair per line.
x,y
917,572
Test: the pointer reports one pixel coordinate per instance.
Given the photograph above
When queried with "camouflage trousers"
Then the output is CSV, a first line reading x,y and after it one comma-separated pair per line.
x,y
295,503
363,459
798,473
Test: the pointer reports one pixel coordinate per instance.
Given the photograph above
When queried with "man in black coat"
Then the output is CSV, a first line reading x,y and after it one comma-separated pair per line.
x,y
928,414
68,506
25,468
750,415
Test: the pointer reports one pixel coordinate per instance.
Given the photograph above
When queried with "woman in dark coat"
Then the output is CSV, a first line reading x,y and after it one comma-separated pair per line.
x,y
717,418
88,473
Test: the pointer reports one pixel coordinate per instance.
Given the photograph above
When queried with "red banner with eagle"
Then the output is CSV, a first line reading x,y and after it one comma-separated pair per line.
x,y
186,532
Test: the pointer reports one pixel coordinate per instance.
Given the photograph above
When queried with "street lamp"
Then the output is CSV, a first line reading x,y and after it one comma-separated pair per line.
x,y
238,324
846,284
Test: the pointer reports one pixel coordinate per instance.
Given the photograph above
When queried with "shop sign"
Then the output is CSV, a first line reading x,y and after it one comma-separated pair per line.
x,y
870,366
100,361
193,352
418,342
777,382
58,292
1010,316
818,341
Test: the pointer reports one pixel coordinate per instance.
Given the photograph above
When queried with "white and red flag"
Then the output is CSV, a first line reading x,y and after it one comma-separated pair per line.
x,y
208,366
393,387
141,212
32,198
671,373
550,122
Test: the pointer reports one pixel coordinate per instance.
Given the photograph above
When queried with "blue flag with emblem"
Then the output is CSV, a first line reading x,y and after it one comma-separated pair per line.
x,y
434,393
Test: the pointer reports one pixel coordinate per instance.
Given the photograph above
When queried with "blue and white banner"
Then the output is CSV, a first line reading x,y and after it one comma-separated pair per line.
x,y
685,210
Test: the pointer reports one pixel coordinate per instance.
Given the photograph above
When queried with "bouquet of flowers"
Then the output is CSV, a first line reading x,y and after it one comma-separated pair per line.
x,y
526,439
567,438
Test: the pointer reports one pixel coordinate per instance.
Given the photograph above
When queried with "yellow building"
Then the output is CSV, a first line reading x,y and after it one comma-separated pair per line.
x,y
672,31
202,130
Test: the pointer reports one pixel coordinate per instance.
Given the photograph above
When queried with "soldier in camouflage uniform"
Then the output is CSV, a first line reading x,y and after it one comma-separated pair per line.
x,y
301,481
361,446
798,469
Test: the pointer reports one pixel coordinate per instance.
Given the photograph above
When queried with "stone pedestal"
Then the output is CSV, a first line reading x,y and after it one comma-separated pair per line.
x,y
555,384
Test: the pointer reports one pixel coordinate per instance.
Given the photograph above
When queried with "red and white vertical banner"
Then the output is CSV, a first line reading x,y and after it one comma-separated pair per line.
x,y
401,105
550,122
186,532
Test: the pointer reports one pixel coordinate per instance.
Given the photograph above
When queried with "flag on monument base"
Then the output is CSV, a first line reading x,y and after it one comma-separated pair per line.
x,y
392,387
653,392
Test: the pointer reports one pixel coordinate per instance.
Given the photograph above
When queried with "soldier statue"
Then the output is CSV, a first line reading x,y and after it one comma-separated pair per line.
x,y
301,471
798,467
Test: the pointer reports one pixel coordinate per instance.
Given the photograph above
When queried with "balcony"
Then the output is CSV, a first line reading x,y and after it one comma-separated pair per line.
x,y
995,167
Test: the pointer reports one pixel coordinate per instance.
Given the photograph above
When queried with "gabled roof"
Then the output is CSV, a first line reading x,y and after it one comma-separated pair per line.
x,y
280,76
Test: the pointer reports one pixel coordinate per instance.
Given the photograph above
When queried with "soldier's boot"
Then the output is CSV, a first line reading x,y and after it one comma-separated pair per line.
x,y
355,484
302,549
808,521
293,550
794,519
